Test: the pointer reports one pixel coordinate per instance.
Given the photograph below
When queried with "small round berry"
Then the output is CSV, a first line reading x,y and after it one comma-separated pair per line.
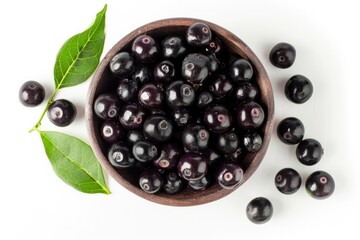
x,y
144,151
107,106
179,94
250,115
142,75
145,49
134,135
122,64
195,138
282,55
227,143
127,90
287,181
259,210
158,128
204,99
298,89
229,175
215,47
217,118
221,86
200,184
195,68
31,93
290,130
173,47
150,96
169,156
173,183
320,185
151,181
131,116
182,117
192,166
111,131
120,156
61,112
309,151
252,141
164,71
198,34
246,91
241,70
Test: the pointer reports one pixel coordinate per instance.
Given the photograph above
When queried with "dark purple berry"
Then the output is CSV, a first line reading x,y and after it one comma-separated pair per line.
x,y
290,130
282,55
192,166
252,141
227,142
240,70
173,47
287,181
309,151
127,90
298,89
221,86
212,156
195,68
144,151
195,138
169,156
150,96
250,115
215,46
135,135
151,181
120,156
61,112
259,210
320,185
229,175
204,99
246,91
182,117
111,131
173,183
107,106
122,64
179,94
142,75
145,49
31,94
131,116
217,118
200,184
158,128
198,34
164,72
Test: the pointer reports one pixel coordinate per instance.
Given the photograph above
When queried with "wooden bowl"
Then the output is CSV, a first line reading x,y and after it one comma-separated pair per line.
x,y
101,83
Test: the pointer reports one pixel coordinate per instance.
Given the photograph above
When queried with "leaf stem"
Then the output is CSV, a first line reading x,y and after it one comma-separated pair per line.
x,y
38,124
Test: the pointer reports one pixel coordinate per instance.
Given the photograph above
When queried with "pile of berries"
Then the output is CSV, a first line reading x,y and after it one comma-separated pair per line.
x,y
320,184
184,113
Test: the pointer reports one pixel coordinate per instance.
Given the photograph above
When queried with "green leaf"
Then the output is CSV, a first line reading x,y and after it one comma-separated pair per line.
x,y
74,162
80,55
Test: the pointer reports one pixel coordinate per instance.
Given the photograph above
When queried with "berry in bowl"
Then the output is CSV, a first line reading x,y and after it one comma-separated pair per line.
x,y
180,112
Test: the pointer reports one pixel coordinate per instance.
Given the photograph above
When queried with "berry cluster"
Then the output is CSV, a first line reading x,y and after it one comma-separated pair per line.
x,y
320,184
60,112
184,113
299,89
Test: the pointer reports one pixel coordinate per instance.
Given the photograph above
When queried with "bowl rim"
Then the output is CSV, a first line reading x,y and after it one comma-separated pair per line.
x,y
214,193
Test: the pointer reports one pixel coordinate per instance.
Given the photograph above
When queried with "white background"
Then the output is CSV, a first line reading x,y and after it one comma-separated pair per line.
x,y
36,204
